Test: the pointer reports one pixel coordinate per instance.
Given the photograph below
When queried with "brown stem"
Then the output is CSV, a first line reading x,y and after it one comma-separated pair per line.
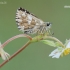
x,y
16,53
32,40
17,36
9,40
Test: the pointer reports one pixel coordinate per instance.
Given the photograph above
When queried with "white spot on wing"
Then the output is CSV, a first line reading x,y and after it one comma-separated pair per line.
x,y
18,16
19,20
18,24
23,14
41,22
29,17
29,22
17,10
22,28
37,23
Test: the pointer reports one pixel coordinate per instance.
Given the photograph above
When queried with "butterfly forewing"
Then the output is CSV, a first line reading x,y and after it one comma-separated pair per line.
x,y
29,23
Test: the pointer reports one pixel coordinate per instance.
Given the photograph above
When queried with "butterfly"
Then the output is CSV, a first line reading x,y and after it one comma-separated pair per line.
x,y
29,23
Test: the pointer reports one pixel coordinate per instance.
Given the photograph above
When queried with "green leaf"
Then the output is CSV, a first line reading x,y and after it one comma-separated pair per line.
x,y
57,44
48,42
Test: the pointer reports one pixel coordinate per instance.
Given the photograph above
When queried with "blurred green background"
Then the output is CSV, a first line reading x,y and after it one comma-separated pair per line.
x,y
35,56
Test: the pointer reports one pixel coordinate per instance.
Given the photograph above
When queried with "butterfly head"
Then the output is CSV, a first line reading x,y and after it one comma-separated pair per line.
x,y
48,25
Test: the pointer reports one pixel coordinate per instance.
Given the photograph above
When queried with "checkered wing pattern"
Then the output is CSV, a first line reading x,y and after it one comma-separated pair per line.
x,y
27,22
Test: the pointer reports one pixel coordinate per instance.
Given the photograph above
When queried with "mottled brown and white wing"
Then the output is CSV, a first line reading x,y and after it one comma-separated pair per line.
x,y
27,22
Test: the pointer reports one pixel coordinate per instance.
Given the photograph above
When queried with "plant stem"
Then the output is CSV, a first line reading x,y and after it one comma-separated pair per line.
x,y
16,53
9,40
14,37
35,39
41,37
53,38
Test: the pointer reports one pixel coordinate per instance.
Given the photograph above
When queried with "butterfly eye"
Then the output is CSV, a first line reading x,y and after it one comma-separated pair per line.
x,y
48,24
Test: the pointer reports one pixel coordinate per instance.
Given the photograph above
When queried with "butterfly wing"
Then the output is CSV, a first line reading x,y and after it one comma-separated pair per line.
x,y
27,22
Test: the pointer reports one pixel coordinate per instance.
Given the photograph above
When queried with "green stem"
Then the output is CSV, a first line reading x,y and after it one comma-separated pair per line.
x,y
53,38
41,37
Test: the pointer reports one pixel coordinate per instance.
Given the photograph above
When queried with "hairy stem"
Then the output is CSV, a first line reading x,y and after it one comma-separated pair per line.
x,y
35,39
9,40
14,37
16,53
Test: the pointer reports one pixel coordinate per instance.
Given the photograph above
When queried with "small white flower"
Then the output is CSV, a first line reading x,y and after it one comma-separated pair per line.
x,y
3,54
59,51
